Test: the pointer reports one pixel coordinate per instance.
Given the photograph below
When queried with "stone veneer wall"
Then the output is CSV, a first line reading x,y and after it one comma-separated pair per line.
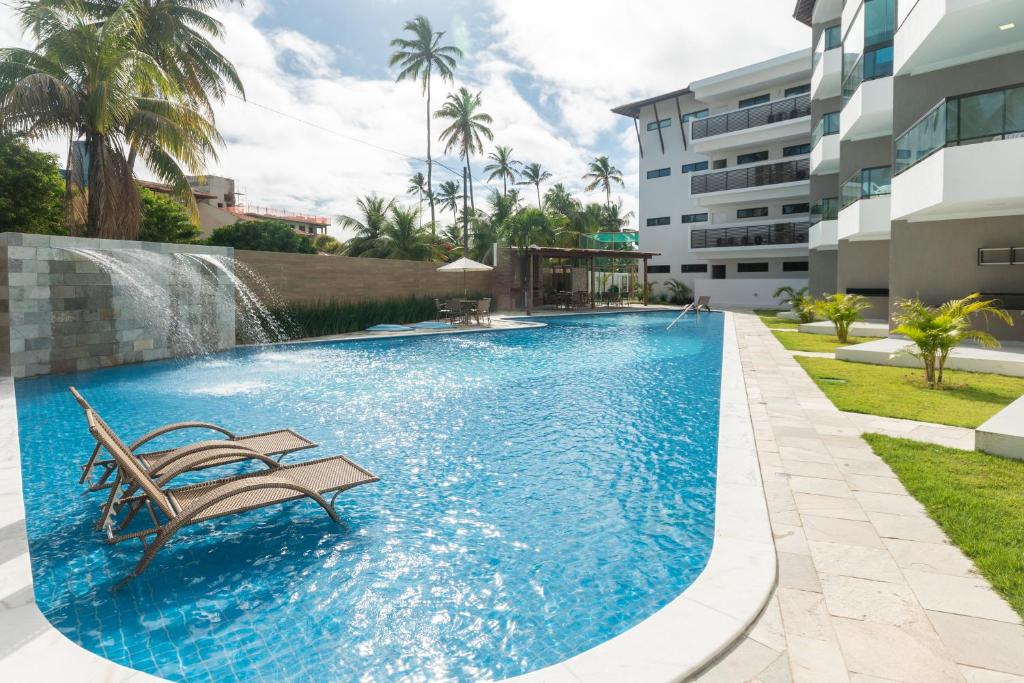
x,y
317,277
60,312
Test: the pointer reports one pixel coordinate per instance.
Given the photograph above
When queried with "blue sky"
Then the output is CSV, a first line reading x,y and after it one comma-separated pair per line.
x,y
548,70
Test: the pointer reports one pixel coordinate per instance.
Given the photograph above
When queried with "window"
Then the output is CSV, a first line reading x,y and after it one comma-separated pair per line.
x,y
702,114
693,268
794,266
798,90
833,37
663,123
698,166
695,218
751,157
795,150
654,270
659,173
789,209
754,101
661,220
719,163
758,212
761,267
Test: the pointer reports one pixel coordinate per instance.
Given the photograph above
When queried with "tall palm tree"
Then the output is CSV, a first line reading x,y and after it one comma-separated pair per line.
x,y
448,195
95,83
418,58
403,239
601,173
468,127
558,199
503,166
368,226
534,174
418,186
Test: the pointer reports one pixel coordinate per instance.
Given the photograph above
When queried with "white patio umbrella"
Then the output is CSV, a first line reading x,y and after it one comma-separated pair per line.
x,y
465,265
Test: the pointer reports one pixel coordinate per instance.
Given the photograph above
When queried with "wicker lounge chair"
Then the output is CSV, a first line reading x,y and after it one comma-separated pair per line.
x,y
703,302
194,456
171,509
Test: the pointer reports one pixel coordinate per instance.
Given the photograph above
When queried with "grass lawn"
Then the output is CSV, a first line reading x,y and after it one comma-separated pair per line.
x,y
771,319
802,341
969,398
977,499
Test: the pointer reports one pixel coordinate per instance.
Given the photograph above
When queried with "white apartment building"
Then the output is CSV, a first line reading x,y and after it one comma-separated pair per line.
x,y
724,181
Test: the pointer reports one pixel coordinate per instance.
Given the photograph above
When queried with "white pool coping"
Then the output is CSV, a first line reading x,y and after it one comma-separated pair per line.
x,y
671,644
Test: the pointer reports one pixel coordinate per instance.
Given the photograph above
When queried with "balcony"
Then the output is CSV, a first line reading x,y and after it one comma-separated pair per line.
x,y
767,239
776,121
936,35
868,111
962,159
826,74
756,182
864,205
824,225
825,145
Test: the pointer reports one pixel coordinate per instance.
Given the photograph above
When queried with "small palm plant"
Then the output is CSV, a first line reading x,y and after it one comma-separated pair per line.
x,y
843,310
799,301
678,291
937,330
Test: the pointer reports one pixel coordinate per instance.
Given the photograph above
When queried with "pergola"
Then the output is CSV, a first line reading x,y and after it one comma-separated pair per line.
x,y
589,255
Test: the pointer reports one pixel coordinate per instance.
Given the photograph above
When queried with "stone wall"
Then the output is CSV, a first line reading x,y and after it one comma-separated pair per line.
x,y
309,277
63,309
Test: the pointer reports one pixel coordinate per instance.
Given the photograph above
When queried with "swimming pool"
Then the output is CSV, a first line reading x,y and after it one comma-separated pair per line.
x,y
542,490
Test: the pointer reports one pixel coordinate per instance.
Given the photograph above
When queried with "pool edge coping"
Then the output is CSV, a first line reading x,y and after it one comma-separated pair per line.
x,y
669,645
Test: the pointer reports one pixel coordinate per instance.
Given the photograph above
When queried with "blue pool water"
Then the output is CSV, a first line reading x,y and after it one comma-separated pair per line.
x,y
542,490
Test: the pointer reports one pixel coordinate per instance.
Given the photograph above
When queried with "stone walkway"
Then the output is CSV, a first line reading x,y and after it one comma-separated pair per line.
x,y
870,589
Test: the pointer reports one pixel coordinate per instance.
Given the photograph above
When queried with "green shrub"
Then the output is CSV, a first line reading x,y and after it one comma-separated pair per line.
x,y
31,190
262,236
165,220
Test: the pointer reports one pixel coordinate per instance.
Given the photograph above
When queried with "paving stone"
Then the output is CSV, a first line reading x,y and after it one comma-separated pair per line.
x,y
816,661
892,653
835,530
938,558
742,663
797,571
843,559
829,506
982,643
969,596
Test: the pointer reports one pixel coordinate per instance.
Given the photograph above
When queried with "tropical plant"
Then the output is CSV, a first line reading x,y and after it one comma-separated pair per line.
x,y
418,58
679,291
503,166
798,300
937,330
558,199
467,128
325,244
100,76
321,318
261,235
165,220
602,174
534,174
418,187
612,218
368,226
843,310
31,190
448,195
402,238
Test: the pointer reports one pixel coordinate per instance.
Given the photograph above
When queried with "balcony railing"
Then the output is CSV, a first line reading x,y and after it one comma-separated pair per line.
x,y
751,117
749,236
828,124
825,210
866,183
753,176
962,120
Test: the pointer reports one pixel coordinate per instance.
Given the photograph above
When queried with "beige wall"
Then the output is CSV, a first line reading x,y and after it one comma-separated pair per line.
x,y
865,265
312,277
822,277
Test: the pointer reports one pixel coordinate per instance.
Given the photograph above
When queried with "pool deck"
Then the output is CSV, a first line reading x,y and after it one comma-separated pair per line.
x,y
869,588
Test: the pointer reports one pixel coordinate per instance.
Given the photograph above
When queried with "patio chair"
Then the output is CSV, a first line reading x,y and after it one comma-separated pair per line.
x,y
703,302
455,311
444,311
482,311
199,455
171,509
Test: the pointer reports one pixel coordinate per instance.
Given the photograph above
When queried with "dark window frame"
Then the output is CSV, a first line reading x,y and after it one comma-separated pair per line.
x,y
791,267
753,267
797,90
761,155
658,221
660,123
799,207
796,150
693,268
695,115
658,269
693,218
754,101
695,167
752,212
659,173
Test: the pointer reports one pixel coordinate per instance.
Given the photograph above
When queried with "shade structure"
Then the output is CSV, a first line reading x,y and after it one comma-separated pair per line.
x,y
465,265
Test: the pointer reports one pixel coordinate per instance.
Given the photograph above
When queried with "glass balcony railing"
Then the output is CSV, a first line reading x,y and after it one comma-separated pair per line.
x,y
828,124
830,39
753,176
749,236
751,117
871,65
825,210
962,120
866,183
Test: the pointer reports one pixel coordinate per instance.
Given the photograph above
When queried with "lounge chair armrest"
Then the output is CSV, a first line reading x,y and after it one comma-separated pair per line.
x,y
166,429
168,470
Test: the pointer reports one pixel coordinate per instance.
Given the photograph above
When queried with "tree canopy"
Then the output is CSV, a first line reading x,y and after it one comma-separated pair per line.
x,y
262,236
165,220
31,190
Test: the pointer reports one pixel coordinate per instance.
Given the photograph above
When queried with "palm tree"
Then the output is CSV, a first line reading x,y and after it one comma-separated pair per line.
x,y
403,239
534,174
418,58
526,227
601,173
612,218
94,82
418,187
843,310
467,129
368,226
558,199
799,301
504,167
448,195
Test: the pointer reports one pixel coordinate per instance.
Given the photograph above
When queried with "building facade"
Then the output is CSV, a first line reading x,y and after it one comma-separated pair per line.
x,y
725,181
917,178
